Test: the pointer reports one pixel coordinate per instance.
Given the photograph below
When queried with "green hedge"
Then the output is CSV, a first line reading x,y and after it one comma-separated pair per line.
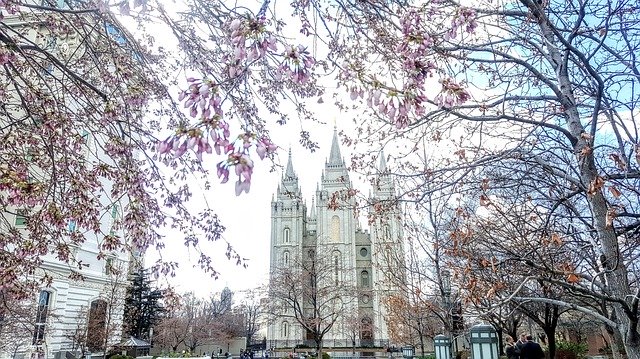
x,y
570,350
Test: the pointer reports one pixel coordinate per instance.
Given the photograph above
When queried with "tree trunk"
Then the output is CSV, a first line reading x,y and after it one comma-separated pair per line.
x,y
500,341
614,340
616,272
551,341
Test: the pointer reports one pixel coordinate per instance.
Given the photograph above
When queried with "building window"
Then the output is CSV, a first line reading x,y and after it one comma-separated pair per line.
x,y
285,329
115,212
363,252
364,278
108,266
44,301
21,218
96,326
71,225
336,267
285,258
387,231
334,233
286,235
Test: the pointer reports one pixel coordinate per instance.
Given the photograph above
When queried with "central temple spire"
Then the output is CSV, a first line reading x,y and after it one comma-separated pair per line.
x,y
335,159
289,173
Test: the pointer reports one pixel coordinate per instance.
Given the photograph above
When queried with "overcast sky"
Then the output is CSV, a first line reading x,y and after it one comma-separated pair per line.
x,y
248,216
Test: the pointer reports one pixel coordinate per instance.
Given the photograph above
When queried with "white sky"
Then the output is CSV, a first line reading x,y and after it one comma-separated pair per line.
x,y
248,216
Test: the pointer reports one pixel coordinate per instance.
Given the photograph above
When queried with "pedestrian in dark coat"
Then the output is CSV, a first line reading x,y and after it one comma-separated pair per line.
x,y
511,349
531,350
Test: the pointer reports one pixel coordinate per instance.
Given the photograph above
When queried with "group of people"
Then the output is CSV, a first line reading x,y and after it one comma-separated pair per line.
x,y
524,348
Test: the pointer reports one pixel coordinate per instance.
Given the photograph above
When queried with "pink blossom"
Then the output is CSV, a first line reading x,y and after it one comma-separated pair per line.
x,y
242,186
223,171
264,147
452,94
297,64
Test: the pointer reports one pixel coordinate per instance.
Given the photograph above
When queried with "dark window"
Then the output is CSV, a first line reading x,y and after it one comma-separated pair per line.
x,y
96,328
364,276
41,317
21,218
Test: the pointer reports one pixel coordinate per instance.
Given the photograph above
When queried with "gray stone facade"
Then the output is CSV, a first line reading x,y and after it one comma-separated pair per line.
x,y
368,260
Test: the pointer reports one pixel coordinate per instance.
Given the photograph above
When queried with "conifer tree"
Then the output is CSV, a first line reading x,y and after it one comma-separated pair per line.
x,y
143,307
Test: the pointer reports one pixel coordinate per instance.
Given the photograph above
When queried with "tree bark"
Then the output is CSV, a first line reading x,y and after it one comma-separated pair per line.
x,y
615,270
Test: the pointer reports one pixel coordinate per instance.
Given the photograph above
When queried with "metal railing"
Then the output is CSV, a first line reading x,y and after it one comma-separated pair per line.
x,y
360,344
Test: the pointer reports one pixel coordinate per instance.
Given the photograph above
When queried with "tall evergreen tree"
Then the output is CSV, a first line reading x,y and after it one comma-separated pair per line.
x,y
143,308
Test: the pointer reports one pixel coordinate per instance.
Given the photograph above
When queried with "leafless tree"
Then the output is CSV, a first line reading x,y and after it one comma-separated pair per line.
x,y
309,292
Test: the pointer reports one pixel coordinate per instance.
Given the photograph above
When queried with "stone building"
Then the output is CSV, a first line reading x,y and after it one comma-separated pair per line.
x,y
363,259
69,314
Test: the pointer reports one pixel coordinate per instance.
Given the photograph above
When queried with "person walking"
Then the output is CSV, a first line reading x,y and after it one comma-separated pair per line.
x,y
511,349
531,349
521,341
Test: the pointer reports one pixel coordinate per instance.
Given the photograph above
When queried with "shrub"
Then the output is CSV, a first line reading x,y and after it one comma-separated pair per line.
x,y
326,355
120,356
570,350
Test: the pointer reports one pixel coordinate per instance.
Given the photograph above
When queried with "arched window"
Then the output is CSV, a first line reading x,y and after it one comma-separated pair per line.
x,y
42,313
364,278
366,330
285,258
387,231
96,327
336,267
334,232
285,329
286,235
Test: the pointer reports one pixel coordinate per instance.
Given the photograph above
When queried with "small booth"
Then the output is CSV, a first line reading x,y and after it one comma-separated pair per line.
x,y
135,347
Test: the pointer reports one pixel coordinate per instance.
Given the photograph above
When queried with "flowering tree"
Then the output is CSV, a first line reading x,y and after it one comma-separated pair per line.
x,y
536,101
78,140
533,100
17,323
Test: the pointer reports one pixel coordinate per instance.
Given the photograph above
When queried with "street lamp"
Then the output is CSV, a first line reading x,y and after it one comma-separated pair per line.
x,y
408,351
484,342
442,347
445,276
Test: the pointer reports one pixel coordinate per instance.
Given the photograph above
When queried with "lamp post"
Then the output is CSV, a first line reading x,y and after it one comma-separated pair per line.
x,y
484,342
445,277
408,351
442,346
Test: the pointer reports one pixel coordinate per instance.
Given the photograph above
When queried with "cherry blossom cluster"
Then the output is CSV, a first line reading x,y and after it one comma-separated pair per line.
x,y
20,191
250,40
397,106
238,158
212,133
415,41
452,94
297,64
8,5
202,97
6,56
464,17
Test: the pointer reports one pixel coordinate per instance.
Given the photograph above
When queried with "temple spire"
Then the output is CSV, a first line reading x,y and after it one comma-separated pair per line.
x,y
313,207
382,167
289,172
335,159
